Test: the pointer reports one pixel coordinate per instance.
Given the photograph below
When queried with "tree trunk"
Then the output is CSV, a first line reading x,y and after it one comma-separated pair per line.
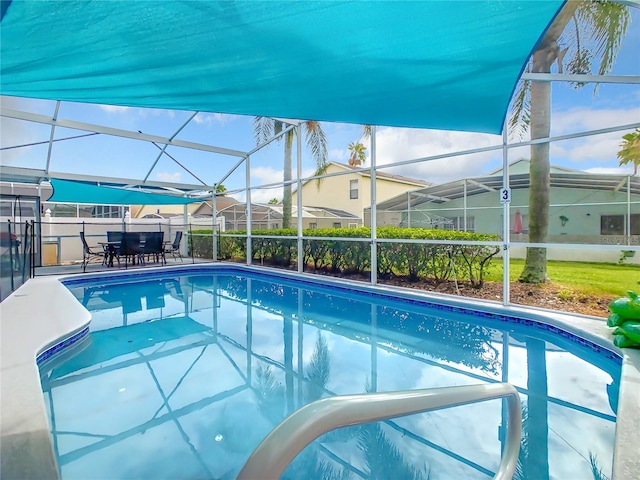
x,y
535,267
286,177
288,361
538,422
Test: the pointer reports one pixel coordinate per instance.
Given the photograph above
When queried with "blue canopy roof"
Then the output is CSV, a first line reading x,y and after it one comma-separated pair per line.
x,y
432,64
69,191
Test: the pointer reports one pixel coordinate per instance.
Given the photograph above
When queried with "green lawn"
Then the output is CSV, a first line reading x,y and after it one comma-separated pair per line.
x,y
592,278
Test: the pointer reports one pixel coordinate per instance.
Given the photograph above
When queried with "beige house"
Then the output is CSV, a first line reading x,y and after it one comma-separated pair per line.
x,y
351,192
197,208
268,217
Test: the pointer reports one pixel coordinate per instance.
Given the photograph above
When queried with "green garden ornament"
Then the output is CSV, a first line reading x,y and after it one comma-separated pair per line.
x,y
625,316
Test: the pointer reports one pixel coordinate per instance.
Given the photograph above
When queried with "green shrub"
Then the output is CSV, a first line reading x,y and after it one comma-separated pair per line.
x,y
330,249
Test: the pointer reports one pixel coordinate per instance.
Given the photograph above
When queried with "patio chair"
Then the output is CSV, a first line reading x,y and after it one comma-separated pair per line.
x,y
114,240
153,246
88,253
174,248
131,246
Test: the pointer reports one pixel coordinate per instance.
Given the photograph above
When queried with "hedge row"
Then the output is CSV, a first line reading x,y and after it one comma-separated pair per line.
x,y
437,262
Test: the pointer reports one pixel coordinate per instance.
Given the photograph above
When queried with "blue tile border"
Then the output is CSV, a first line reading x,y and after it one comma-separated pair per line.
x,y
50,352
324,283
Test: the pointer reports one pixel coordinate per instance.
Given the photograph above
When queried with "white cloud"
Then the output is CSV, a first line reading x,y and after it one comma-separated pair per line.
x,y
16,132
213,118
265,194
174,177
612,171
338,155
583,119
265,176
401,144
599,149
113,108
398,144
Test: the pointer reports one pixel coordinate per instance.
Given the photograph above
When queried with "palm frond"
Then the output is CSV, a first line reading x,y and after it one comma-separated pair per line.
x,y
270,394
318,370
630,150
596,470
308,464
520,117
263,129
316,141
358,153
319,172
599,28
606,24
366,132
384,459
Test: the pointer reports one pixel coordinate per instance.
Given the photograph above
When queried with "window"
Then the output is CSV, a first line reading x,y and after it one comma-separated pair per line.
x,y
353,189
457,223
105,211
353,225
337,224
313,225
614,224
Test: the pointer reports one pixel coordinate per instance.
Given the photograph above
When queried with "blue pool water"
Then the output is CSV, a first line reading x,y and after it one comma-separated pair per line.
x,y
185,375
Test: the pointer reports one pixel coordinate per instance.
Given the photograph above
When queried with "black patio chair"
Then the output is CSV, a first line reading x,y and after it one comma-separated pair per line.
x,y
131,246
89,253
114,239
174,248
153,246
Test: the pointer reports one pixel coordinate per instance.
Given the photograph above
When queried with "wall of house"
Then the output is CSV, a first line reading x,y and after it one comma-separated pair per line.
x,y
581,210
310,223
332,193
138,211
335,192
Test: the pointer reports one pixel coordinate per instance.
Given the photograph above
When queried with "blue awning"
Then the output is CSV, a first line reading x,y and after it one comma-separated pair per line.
x,y
70,191
441,64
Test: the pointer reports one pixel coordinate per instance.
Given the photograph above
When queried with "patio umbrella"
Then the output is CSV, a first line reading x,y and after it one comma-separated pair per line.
x,y
517,222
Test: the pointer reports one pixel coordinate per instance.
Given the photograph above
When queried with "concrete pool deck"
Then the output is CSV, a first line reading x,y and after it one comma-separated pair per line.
x,y
43,312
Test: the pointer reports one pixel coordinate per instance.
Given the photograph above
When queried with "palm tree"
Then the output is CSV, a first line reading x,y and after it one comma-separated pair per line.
x,y
358,155
265,127
599,24
630,150
318,370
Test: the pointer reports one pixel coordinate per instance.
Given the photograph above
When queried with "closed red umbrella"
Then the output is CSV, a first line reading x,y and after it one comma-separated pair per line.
x,y
517,222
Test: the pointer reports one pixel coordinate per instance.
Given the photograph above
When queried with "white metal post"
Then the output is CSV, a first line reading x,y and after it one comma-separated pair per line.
x,y
464,202
628,222
374,211
214,214
299,199
53,129
185,232
248,208
505,222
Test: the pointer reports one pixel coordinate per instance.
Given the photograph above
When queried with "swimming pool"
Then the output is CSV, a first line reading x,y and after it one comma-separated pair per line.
x,y
186,372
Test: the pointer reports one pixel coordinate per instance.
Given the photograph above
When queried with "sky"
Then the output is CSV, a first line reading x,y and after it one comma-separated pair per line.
x,y
572,111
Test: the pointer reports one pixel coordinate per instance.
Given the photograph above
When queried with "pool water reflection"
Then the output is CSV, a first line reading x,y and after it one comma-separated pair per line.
x,y
185,375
